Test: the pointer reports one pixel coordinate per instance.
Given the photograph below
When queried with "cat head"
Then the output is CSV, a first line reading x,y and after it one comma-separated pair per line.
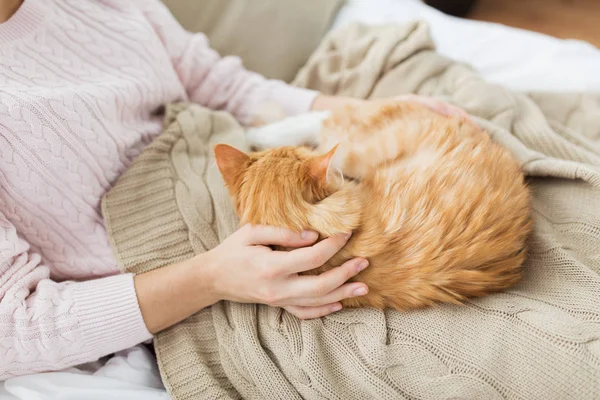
x,y
276,186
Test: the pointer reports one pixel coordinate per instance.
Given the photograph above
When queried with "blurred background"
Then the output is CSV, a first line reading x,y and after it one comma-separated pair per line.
x,y
566,19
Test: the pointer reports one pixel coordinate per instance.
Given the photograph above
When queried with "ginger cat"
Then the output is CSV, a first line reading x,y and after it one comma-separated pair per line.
x,y
441,212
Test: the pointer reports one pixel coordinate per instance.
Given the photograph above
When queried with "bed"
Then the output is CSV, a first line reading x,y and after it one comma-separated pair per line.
x,y
517,59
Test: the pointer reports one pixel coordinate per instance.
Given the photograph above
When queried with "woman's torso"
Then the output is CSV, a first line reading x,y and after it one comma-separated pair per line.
x,y
79,94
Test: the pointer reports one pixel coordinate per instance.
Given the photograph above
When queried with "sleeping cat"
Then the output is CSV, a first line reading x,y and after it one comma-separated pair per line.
x,y
441,212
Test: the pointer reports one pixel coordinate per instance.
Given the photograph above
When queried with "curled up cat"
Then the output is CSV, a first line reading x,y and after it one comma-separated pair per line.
x,y
441,212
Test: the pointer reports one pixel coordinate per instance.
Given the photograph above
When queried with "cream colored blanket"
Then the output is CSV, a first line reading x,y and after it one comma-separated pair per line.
x,y
540,340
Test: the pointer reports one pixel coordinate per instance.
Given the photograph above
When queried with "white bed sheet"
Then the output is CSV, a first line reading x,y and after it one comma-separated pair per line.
x,y
518,59
130,374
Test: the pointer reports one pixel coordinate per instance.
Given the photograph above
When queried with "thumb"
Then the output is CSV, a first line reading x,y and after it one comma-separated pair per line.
x,y
271,235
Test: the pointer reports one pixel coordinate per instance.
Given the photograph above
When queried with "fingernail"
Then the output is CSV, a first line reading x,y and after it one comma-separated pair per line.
x,y
336,307
360,291
308,235
347,236
362,265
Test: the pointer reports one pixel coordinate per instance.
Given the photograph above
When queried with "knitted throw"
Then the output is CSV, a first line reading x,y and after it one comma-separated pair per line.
x,y
540,340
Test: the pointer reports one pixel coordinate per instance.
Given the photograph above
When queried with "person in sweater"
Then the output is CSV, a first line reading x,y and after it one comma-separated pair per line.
x,y
80,86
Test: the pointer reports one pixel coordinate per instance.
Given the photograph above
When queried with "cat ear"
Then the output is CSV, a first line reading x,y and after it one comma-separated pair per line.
x,y
230,161
319,165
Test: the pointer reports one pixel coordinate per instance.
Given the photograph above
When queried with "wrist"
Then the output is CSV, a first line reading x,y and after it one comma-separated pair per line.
x,y
204,270
170,294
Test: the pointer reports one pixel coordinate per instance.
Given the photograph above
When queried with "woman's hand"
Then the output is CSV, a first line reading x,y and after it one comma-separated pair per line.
x,y
434,104
323,102
244,269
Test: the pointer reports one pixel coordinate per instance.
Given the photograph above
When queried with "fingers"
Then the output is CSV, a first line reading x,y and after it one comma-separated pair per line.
x,y
270,235
453,110
312,257
406,97
345,291
320,286
470,121
320,306
313,312
444,108
435,104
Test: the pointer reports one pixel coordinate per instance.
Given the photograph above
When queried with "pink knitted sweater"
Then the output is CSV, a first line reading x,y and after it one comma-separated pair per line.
x,y
80,84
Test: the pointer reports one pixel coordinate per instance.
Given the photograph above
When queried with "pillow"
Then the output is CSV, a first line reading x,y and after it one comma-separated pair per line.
x,y
272,37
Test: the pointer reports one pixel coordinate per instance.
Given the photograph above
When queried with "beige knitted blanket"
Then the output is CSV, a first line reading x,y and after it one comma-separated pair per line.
x,y
540,340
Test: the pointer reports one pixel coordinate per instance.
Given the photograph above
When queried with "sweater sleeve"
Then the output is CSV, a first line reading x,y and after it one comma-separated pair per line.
x,y
220,82
47,326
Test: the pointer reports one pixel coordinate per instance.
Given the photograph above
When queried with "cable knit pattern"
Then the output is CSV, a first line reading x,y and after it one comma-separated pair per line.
x,y
82,84
538,341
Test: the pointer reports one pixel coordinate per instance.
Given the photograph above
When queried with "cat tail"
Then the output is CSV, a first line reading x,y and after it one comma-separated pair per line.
x,y
462,284
457,285
298,130
494,276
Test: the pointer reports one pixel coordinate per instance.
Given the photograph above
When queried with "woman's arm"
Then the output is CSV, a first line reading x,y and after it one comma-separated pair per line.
x,y
323,102
223,83
243,269
46,326
219,82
